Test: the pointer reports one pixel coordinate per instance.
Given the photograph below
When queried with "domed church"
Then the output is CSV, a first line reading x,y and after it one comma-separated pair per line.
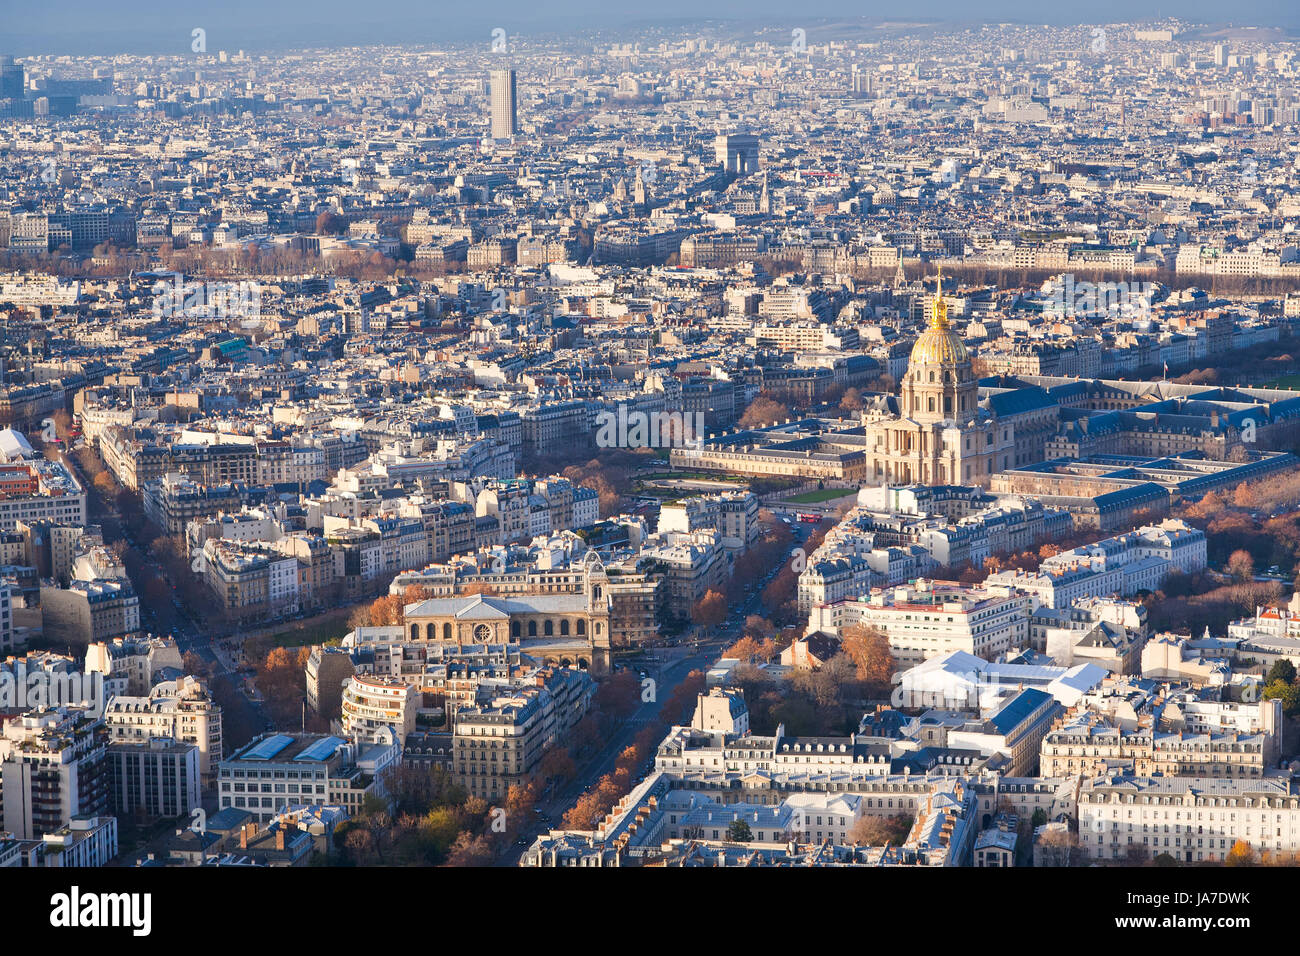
x,y
940,434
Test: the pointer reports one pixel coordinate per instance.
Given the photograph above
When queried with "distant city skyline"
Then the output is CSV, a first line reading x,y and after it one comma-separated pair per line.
x,y
503,439
78,27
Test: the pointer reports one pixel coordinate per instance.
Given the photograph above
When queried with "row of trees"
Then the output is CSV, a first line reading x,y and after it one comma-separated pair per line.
x,y
428,820
780,597
609,476
597,802
1255,525
1251,366
1214,609
1259,520
389,609
1030,559
282,680
772,548
245,259
1060,847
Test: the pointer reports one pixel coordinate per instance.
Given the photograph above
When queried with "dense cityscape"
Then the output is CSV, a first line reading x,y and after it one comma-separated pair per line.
x,y
851,443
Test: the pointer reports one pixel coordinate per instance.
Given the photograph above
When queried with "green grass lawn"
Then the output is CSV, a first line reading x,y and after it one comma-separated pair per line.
x,y
1285,381
318,629
816,497
691,476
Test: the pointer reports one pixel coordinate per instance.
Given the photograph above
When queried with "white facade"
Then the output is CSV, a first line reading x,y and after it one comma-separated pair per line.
x,y
371,704
282,584
928,620
1193,819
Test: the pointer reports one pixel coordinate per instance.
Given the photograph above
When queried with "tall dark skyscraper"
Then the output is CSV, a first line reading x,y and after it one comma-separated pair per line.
x,y
505,106
13,79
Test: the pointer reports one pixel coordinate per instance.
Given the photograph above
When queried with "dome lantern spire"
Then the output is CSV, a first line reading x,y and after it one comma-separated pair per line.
x,y
939,385
939,315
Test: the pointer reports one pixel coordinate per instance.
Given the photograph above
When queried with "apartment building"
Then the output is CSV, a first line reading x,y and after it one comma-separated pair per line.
x,y
250,581
248,525
88,612
1089,746
553,425
1062,587
930,619
133,661
692,565
720,250
373,704
40,490
498,743
173,501
805,337
52,769
135,463
1146,555
734,515
328,668
403,543
9,641
1192,819
449,525
285,463
153,779
182,711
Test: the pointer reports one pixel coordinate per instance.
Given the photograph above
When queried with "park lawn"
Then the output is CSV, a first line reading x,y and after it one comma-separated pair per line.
x,y
816,497
691,476
1285,381
318,629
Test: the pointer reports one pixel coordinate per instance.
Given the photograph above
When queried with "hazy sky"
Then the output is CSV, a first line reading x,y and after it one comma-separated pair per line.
x,y
161,26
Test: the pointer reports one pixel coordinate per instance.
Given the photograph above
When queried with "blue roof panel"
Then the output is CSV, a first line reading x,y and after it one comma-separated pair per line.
x,y
268,748
321,749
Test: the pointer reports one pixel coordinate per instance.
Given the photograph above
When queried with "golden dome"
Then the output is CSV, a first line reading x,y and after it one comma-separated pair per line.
x,y
939,344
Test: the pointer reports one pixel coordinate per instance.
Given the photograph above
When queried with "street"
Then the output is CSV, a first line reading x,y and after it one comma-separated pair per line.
x,y
242,717
667,666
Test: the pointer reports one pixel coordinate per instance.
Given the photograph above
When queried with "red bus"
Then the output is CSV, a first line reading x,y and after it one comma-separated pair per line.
x,y
809,517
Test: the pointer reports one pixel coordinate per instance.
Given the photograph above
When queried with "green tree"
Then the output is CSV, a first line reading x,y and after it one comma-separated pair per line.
x,y
1289,694
1282,670
739,832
